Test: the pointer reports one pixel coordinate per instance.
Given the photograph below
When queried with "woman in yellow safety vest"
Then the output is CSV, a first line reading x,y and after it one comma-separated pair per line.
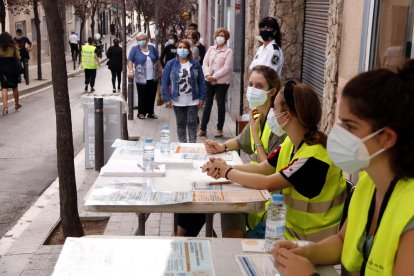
x,y
256,139
313,187
374,133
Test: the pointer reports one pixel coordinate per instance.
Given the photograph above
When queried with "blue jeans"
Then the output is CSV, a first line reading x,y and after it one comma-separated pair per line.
x,y
220,91
186,117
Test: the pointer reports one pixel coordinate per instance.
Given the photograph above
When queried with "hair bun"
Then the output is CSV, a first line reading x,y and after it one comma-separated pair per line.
x,y
407,70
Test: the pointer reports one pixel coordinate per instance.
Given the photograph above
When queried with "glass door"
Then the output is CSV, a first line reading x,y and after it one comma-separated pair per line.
x,y
392,34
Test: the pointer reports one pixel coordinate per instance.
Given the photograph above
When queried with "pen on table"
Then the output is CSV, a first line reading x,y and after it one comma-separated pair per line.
x,y
219,182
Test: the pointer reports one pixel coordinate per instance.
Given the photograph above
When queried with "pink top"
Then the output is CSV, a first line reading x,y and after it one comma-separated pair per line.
x,y
218,63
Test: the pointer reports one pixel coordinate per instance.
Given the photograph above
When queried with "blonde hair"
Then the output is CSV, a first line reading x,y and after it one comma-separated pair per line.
x,y
222,30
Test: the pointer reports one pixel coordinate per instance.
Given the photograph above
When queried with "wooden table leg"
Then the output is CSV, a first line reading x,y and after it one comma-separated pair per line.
x,y
209,224
140,230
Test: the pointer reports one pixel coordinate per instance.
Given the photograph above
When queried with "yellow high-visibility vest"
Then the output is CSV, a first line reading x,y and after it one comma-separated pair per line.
x,y
88,57
399,212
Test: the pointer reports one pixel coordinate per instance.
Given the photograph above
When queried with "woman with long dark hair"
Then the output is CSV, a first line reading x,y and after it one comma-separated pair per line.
x,y
9,77
374,134
114,54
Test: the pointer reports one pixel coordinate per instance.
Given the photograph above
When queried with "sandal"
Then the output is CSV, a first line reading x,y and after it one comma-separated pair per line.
x,y
141,116
201,133
152,116
5,110
219,133
17,106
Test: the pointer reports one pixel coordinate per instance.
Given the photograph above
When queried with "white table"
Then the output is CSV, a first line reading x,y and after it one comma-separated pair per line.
x,y
112,255
176,180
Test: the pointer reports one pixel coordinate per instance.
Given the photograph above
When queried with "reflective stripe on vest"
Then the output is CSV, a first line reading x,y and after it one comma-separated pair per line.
x,y
318,217
88,57
399,212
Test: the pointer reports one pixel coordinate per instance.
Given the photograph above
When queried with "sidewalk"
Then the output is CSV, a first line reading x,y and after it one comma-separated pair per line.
x,y
22,251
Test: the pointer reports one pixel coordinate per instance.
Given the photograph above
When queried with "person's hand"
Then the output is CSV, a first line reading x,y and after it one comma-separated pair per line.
x,y
213,147
168,104
254,120
282,245
288,263
200,103
217,167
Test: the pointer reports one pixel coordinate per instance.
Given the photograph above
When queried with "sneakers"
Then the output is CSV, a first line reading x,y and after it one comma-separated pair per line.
x,y
17,106
113,91
201,133
5,110
92,89
86,89
219,133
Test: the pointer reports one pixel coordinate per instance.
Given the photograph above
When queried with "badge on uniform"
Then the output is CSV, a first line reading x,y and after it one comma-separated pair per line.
x,y
275,59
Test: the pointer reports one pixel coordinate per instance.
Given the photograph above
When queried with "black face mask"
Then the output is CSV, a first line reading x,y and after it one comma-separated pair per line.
x,y
266,35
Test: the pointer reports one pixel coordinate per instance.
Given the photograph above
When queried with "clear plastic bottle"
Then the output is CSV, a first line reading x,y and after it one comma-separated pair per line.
x,y
165,139
275,222
148,155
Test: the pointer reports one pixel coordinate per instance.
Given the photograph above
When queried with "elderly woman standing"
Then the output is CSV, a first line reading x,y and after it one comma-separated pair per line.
x,y
9,77
217,68
148,70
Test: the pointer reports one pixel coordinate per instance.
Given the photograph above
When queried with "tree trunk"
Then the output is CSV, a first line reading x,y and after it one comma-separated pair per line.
x,y
69,214
93,21
125,134
2,16
39,38
82,35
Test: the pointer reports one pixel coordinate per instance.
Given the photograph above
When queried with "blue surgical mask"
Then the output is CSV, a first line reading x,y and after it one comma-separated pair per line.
x,y
142,43
182,52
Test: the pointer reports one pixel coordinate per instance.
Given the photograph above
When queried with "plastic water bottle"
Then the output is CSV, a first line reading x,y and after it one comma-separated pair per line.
x,y
148,155
165,139
275,222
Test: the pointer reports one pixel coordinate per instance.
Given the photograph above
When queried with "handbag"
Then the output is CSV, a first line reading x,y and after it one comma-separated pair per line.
x,y
18,68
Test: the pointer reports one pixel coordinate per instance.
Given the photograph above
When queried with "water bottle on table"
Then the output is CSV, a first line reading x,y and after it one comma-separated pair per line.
x,y
275,222
148,155
165,139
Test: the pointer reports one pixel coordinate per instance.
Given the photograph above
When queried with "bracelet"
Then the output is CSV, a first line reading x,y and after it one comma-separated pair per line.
x,y
257,145
226,148
227,172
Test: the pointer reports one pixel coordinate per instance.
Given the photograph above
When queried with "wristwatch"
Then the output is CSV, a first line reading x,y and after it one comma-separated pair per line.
x,y
315,274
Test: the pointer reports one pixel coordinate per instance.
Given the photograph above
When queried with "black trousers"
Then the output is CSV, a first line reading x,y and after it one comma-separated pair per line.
x,y
146,97
220,91
90,76
115,75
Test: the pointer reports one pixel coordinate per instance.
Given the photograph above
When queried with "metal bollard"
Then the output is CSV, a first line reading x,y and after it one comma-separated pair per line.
x,y
130,98
106,47
99,134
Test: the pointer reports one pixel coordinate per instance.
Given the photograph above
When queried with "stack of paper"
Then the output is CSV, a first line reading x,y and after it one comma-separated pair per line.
x,y
130,168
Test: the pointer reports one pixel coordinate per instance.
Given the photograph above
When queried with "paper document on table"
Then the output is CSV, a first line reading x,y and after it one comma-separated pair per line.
x,y
231,196
107,256
257,265
129,168
253,245
207,186
124,143
128,152
115,194
199,176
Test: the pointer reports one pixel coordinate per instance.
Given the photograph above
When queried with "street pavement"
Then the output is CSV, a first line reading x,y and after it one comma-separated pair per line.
x,y
21,249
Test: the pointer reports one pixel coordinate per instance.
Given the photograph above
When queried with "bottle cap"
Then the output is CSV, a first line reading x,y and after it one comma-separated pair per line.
x,y
148,140
277,197
165,126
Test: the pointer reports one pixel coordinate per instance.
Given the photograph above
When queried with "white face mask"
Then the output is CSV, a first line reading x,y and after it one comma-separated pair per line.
x,y
348,151
255,96
274,124
171,41
220,40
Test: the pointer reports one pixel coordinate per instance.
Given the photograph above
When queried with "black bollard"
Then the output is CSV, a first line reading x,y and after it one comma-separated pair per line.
x,y
130,98
106,47
99,134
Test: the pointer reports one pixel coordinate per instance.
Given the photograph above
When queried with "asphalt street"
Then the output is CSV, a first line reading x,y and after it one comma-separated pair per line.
x,y
28,146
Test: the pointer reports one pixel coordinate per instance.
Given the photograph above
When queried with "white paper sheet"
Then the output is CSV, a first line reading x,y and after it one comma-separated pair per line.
x,y
256,265
105,256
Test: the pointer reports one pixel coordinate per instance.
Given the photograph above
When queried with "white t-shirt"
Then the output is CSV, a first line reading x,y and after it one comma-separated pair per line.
x,y
73,38
185,90
271,55
149,66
